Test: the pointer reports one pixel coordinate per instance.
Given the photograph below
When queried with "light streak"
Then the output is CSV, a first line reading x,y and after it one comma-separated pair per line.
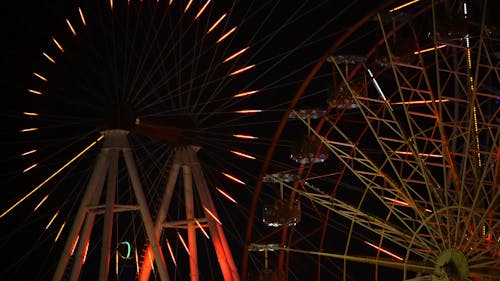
x,y
151,261
49,58
236,54
70,27
419,102
51,220
403,6
28,152
248,93
226,195
429,49
170,2
202,229
40,76
379,90
171,253
36,92
202,10
74,245
57,44
28,130
420,154
86,250
60,231
246,137
241,70
40,203
31,114
136,261
385,251
226,34
398,202
81,16
111,4
183,243
242,154
212,215
231,177
116,262
30,167
50,177
216,23
248,111
188,5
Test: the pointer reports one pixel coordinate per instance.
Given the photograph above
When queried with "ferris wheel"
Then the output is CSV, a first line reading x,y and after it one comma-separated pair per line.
x,y
397,164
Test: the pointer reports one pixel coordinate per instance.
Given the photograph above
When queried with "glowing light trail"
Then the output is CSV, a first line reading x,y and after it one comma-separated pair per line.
x,y
31,114
60,231
51,220
183,243
241,70
49,58
202,229
35,92
242,154
71,27
57,44
202,10
404,5
385,251
244,94
246,137
51,176
30,167
188,5
40,76
28,152
74,245
82,17
233,178
212,215
216,23
226,34
247,111
40,203
429,49
226,195
236,54
171,253
28,130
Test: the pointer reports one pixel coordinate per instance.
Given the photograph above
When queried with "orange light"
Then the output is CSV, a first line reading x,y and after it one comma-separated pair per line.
x,y
57,44
244,94
226,34
420,154
420,101
241,70
40,203
49,58
202,229
29,168
231,177
40,76
242,154
212,215
28,130
398,202
81,16
60,231
216,23
404,5
30,114
74,244
183,243
51,220
202,10
28,152
171,253
71,27
226,195
429,49
248,111
236,54
188,5
85,252
247,137
111,4
384,251
35,92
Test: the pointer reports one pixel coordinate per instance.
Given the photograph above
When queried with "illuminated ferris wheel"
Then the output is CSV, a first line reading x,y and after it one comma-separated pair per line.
x,y
397,173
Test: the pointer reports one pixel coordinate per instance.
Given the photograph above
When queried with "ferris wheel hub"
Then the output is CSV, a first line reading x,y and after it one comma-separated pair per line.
x,y
451,265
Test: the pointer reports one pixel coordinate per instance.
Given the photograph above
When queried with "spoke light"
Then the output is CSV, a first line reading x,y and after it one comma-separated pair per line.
x,y
385,251
233,178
